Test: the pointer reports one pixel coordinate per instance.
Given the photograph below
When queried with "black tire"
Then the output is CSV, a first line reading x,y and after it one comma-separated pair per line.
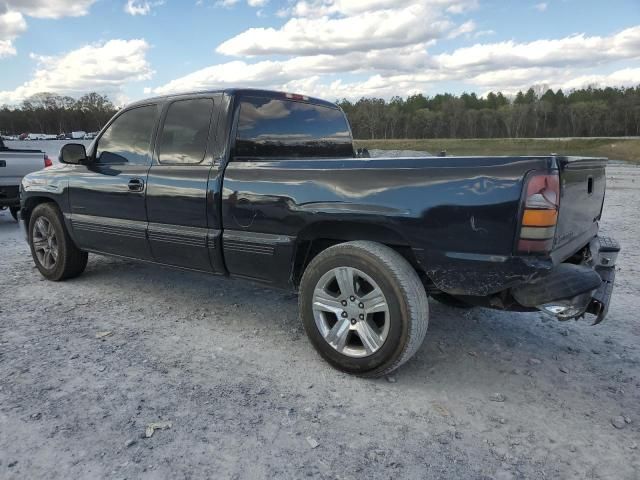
x,y
71,261
14,212
408,309
451,301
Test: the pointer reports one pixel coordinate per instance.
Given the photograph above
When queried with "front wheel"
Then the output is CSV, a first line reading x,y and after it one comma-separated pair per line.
x,y
363,307
53,250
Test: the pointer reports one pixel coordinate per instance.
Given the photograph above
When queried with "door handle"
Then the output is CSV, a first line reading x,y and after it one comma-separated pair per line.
x,y
136,185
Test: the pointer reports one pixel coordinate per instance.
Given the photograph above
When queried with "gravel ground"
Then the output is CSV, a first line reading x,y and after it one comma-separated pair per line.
x,y
87,364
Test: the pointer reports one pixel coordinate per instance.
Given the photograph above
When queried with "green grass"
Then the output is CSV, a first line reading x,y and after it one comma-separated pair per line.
x,y
612,148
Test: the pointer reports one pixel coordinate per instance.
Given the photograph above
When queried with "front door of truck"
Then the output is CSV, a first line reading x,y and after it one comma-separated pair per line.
x,y
107,194
181,204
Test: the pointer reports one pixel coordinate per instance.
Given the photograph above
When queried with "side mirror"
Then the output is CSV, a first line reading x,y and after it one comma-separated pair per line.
x,y
73,153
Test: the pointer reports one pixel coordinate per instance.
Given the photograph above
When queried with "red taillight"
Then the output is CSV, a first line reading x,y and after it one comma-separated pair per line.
x,y
543,192
540,213
47,161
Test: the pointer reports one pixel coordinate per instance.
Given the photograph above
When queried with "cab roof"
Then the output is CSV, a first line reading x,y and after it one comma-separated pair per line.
x,y
240,92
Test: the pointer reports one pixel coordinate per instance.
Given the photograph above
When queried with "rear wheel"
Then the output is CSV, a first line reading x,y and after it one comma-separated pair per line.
x,y
363,307
53,251
14,212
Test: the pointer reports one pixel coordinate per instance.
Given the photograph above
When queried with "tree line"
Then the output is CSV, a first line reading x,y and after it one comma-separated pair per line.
x,y
588,112
54,114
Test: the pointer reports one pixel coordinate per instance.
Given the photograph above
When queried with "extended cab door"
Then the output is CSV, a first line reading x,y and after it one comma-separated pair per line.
x,y
107,195
182,209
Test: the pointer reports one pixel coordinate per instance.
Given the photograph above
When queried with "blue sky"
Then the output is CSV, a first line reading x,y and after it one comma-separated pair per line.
x,y
129,49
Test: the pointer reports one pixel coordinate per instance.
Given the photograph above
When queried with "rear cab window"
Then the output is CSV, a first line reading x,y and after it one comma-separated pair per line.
x,y
283,129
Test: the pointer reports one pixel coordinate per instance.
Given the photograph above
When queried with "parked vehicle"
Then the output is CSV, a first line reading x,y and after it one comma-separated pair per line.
x,y
79,135
266,186
36,136
15,164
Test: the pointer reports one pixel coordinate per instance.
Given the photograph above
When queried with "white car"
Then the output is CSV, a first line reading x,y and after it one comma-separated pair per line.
x,y
36,136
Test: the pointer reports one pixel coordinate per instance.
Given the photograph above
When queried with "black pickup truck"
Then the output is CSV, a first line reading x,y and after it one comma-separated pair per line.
x,y
267,186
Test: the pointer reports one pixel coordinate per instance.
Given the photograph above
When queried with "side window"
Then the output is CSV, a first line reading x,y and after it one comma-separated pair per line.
x,y
185,131
128,138
269,127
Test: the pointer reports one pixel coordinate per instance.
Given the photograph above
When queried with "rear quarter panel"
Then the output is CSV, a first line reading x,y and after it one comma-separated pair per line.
x,y
443,208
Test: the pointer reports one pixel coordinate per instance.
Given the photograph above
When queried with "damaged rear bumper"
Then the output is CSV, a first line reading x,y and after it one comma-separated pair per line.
x,y
569,291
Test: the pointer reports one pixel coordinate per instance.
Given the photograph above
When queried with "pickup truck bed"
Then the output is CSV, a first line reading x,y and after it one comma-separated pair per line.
x,y
267,186
459,215
14,165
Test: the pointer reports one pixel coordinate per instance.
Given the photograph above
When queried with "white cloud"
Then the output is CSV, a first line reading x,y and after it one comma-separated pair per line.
x,y
484,33
275,73
103,68
625,77
464,29
318,8
509,82
12,12
404,70
12,24
541,7
141,7
232,3
519,79
576,50
368,30
50,8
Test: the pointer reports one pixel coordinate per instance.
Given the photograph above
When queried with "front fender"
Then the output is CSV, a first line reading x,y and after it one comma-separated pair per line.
x,y
51,184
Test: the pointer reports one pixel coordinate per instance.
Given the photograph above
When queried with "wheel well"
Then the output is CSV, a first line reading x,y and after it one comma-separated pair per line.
x,y
31,203
320,236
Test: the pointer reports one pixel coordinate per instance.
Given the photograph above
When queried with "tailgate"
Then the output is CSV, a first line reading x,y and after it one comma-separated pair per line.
x,y
582,187
15,165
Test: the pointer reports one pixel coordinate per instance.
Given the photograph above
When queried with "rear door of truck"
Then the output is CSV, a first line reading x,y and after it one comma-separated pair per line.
x,y
582,190
179,203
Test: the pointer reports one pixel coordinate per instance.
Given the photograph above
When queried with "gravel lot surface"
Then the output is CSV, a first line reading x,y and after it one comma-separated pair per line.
x,y
86,365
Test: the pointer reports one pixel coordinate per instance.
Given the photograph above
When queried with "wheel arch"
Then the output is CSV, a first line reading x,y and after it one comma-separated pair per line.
x,y
321,235
31,202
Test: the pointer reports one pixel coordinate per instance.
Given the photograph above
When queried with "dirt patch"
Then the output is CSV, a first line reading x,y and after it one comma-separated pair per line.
x,y
224,366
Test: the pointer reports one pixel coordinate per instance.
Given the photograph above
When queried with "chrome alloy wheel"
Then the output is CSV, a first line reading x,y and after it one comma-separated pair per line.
x,y
45,243
351,312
